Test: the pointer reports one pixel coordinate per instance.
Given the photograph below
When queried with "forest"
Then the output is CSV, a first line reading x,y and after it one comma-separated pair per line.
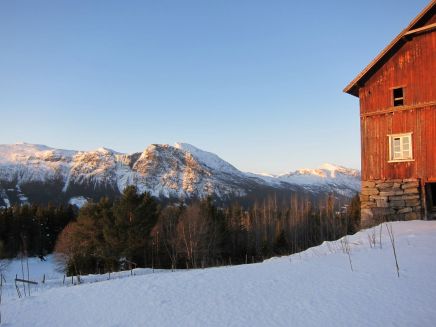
x,y
138,231
32,230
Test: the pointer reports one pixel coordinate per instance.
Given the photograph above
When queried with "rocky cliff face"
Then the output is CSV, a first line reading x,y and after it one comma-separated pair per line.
x,y
39,173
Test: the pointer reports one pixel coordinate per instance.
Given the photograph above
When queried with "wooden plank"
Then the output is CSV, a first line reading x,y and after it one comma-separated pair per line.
x,y
389,110
412,67
354,86
426,28
26,281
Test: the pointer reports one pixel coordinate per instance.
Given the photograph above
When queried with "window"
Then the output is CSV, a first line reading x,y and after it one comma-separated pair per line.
x,y
398,97
400,147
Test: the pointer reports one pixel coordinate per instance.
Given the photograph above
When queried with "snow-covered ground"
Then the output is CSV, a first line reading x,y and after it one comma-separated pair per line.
x,y
78,201
37,268
314,288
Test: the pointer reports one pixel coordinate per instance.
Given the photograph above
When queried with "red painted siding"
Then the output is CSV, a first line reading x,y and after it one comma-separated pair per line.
x,y
412,67
375,146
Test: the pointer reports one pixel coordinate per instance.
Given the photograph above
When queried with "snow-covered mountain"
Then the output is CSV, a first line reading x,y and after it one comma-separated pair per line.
x,y
328,176
31,172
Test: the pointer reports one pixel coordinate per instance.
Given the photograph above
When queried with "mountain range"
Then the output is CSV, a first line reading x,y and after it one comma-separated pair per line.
x,y
38,173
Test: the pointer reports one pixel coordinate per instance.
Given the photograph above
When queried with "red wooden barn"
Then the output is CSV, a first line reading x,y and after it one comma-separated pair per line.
x,y
397,93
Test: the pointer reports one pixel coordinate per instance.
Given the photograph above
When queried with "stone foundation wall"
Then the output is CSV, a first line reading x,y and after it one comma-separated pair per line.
x,y
384,200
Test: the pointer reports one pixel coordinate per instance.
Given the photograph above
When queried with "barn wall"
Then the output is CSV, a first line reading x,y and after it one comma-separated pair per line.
x,y
397,190
411,67
375,146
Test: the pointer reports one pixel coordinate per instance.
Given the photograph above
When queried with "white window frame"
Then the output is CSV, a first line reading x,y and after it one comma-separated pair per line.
x,y
400,155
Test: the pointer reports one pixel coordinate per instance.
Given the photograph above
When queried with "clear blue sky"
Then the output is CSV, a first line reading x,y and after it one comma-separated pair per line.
x,y
257,82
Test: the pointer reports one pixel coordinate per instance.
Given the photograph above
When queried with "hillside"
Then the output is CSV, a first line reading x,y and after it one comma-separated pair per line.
x,y
312,288
38,173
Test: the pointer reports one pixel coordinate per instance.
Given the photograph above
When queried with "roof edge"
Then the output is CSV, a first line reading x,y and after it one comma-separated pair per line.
x,y
352,87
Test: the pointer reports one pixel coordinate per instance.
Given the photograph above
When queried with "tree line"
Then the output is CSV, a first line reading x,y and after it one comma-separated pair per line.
x,y
32,229
137,231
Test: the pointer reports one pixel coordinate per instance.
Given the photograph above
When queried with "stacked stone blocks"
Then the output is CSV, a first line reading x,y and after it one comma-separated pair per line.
x,y
386,200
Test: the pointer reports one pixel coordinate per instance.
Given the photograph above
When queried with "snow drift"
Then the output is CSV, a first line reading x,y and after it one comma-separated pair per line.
x,y
312,288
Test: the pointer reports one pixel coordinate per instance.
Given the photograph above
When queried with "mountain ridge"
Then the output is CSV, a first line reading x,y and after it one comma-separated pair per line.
x,y
180,171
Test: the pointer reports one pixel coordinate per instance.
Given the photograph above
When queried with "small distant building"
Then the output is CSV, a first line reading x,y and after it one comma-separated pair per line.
x,y
397,93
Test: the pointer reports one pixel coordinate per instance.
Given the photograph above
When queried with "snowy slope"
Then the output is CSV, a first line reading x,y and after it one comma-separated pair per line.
x,y
33,162
209,159
328,176
28,172
331,177
37,269
313,288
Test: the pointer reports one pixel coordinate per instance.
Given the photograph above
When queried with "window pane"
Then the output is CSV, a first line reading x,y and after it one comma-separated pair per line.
x,y
397,145
407,147
398,97
401,147
398,102
398,93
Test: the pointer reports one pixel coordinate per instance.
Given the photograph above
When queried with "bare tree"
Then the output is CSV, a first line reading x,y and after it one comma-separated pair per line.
x,y
68,249
195,233
167,227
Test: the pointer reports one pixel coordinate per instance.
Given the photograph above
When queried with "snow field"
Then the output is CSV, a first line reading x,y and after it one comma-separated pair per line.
x,y
312,288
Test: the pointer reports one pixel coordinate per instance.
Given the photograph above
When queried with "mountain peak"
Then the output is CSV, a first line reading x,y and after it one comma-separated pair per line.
x,y
330,166
179,171
30,146
20,151
326,170
190,148
209,159
106,150
334,169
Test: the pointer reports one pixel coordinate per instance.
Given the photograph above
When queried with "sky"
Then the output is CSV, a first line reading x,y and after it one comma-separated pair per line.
x,y
257,82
